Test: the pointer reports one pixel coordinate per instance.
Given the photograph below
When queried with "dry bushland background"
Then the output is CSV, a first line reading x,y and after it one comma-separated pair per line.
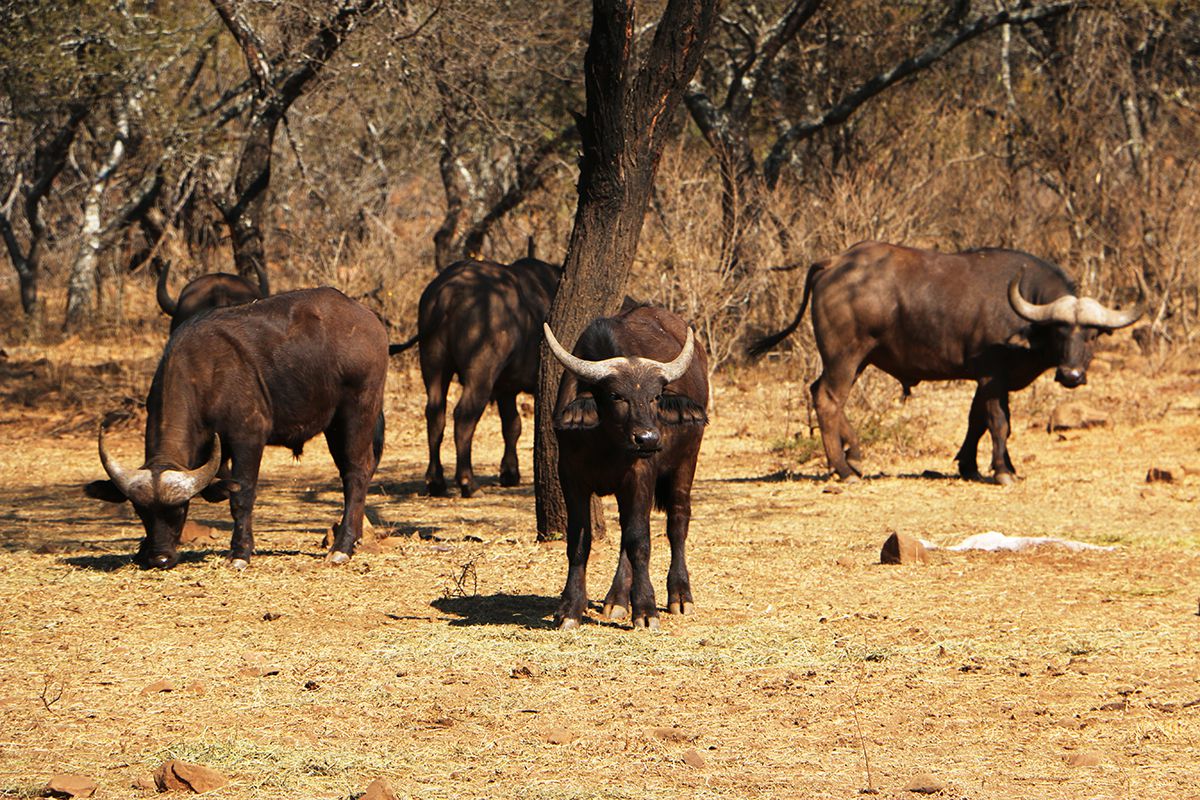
x,y
809,670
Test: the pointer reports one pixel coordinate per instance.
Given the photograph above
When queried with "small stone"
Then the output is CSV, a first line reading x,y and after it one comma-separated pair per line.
x,y
925,783
694,759
1073,415
159,686
559,735
180,775
258,672
271,616
197,687
145,784
901,548
379,789
673,734
1159,475
67,785
1084,758
844,562
1070,723
1115,705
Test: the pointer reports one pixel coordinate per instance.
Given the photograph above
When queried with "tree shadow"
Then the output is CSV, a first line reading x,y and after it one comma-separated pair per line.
x,y
779,476
525,610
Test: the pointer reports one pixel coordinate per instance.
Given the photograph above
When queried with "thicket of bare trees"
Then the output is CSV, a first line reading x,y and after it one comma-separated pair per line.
x,y
367,143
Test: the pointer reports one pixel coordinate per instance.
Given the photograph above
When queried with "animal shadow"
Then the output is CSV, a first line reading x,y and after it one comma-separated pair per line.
x,y
525,610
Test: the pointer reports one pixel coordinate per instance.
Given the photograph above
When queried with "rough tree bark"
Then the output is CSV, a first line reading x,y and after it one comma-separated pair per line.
x,y
277,84
629,109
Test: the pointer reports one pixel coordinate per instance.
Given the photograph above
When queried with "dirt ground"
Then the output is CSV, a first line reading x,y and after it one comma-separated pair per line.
x,y
808,671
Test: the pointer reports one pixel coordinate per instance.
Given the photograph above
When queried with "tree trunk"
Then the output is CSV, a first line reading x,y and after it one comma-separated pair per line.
x,y
246,216
623,135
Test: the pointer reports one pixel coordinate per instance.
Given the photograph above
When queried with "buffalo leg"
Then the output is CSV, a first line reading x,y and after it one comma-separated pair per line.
x,y
829,393
510,421
616,602
634,500
352,445
679,515
437,381
579,547
977,422
246,461
470,408
998,426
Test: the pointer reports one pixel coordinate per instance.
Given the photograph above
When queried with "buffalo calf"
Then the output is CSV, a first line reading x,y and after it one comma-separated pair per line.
x,y
629,419
275,372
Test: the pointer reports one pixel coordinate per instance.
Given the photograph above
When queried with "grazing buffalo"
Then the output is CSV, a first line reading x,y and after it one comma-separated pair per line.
x,y
998,317
207,291
629,419
479,320
276,372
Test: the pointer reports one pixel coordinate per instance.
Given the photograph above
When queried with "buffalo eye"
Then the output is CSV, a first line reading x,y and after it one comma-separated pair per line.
x,y
616,398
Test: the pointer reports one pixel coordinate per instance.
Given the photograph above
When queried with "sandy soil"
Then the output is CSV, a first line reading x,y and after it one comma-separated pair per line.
x,y
810,670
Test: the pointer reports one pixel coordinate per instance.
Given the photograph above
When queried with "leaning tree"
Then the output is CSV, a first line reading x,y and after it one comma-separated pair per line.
x,y
630,107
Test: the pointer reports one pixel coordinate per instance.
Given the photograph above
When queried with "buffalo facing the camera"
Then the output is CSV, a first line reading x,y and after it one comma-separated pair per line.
x,y
629,419
998,317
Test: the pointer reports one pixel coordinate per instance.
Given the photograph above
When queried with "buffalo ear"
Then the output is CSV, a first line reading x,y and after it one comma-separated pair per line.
x,y
679,409
578,415
1020,339
106,491
219,490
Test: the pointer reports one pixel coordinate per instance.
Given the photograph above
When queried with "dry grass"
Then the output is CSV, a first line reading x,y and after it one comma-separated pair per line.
x,y
987,670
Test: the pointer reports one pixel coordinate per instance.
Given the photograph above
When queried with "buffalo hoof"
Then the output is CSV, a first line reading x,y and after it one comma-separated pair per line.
x,y
686,607
1005,478
851,478
238,563
161,561
646,621
336,558
510,479
568,624
436,489
615,612
468,489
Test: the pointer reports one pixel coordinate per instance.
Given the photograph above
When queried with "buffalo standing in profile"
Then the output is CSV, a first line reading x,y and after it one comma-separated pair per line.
x,y
998,317
206,292
231,382
629,419
478,320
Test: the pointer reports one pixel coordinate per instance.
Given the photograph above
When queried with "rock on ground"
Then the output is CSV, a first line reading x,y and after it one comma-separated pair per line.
x,y
925,783
1073,415
180,775
379,789
901,548
67,785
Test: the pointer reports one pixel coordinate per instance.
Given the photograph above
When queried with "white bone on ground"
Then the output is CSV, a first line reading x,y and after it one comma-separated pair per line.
x,y
995,541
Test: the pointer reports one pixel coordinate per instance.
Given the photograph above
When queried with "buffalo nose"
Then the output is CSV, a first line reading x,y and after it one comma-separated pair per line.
x,y
646,440
1074,377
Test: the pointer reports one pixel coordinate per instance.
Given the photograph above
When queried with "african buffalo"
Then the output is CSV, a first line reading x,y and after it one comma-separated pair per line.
x,y
275,372
207,291
629,419
479,320
999,317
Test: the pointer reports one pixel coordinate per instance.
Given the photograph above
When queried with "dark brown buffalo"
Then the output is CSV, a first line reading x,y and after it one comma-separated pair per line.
x,y
998,317
231,382
205,292
629,419
478,320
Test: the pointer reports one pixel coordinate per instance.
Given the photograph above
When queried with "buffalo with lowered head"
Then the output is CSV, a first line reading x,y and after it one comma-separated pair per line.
x,y
478,320
214,290
275,372
998,317
629,419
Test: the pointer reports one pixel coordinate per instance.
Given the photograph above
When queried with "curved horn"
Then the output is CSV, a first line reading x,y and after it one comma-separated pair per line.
x,y
590,371
1061,310
178,486
137,485
264,285
673,370
1092,312
164,293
